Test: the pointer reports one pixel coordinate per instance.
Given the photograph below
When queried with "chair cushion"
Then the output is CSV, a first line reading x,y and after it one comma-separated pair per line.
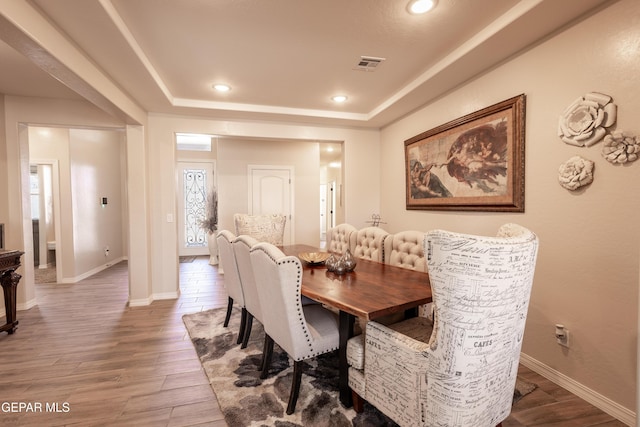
x,y
418,328
357,381
355,352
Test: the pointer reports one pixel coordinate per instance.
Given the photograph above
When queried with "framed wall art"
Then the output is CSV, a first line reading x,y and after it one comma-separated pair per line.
x,y
473,163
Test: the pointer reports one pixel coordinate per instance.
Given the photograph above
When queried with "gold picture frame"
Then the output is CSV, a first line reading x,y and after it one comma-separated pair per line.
x,y
473,163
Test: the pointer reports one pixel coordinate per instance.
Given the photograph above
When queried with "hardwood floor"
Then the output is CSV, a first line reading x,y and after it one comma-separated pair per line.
x,y
106,364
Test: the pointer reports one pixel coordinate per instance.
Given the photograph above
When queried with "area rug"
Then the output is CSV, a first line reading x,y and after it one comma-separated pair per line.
x,y
246,400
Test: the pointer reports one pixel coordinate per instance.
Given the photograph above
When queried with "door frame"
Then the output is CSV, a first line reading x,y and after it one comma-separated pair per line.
x,y
55,184
180,164
291,215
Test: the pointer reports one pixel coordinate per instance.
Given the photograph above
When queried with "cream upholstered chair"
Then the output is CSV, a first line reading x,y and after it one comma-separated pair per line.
x,y
338,238
265,228
241,247
232,281
403,249
368,243
302,331
464,372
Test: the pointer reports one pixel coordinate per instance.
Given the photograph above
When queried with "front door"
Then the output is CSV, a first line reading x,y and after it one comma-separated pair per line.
x,y
195,179
271,192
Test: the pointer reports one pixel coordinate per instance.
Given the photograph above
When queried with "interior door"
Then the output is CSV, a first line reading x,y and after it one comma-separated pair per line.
x,y
271,192
195,179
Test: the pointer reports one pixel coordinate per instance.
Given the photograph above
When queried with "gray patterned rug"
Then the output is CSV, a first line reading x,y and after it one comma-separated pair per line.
x,y
246,400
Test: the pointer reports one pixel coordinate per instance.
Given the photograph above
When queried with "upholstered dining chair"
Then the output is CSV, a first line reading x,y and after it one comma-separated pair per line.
x,y
338,238
241,247
232,281
403,249
368,243
302,331
463,371
264,228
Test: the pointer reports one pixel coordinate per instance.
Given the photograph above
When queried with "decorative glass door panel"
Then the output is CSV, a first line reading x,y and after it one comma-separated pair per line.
x,y
195,197
194,181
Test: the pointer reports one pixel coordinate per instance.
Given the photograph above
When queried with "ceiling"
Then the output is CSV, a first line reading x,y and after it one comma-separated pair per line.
x,y
284,59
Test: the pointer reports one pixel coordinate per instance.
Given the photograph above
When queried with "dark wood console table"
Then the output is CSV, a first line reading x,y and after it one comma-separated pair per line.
x,y
9,262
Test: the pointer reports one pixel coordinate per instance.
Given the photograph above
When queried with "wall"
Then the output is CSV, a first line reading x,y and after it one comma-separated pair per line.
x,y
236,155
96,172
587,272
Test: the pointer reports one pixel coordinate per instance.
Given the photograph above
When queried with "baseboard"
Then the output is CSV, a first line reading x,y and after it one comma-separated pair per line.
x,y
141,302
26,305
19,307
166,295
90,273
596,399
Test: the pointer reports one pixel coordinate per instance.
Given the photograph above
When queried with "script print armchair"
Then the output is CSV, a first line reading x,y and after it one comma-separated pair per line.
x,y
303,331
464,373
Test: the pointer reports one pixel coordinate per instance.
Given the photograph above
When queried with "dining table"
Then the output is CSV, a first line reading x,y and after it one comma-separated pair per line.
x,y
372,290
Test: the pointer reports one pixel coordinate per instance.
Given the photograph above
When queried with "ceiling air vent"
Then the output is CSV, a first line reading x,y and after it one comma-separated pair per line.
x,y
368,63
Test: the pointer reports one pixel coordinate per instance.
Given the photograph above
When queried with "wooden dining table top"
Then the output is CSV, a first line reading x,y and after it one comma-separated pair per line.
x,y
372,290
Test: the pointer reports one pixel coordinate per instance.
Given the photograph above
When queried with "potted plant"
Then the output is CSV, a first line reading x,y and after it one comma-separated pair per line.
x,y
210,224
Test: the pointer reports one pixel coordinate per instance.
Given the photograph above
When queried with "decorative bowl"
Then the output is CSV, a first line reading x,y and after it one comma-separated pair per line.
x,y
314,258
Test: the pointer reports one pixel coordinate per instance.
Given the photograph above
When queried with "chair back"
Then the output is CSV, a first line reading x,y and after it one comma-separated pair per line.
x,y
279,290
481,288
405,249
264,228
368,243
232,282
241,247
338,238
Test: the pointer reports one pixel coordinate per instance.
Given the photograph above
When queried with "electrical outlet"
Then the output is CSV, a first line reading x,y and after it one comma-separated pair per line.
x,y
562,335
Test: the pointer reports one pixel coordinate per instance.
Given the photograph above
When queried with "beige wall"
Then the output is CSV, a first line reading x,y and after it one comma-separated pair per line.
x,y
587,273
235,156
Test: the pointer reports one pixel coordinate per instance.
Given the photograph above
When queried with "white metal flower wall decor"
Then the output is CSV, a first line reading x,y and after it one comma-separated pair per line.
x,y
575,173
584,122
620,147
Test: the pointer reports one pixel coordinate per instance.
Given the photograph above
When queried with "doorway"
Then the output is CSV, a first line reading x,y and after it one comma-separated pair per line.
x,y
331,209
195,180
271,192
45,202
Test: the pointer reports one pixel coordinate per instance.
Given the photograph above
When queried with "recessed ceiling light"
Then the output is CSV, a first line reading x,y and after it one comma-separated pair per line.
x,y
417,7
222,87
339,98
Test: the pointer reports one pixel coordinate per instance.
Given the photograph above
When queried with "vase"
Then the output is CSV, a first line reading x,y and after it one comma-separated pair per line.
x,y
213,248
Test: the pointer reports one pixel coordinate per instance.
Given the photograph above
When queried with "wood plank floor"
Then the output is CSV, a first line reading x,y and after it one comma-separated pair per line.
x,y
106,364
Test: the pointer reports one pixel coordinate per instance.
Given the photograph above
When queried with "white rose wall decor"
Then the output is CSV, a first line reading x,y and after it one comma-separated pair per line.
x,y
584,123
575,173
620,147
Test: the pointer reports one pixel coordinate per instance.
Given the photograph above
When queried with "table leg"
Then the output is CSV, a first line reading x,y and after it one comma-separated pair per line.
x,y
346,331
9,281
